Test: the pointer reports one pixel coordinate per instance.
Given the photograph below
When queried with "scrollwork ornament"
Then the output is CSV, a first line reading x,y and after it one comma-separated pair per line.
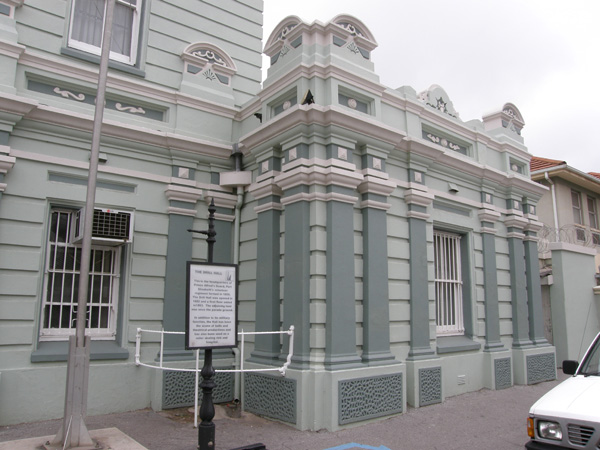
x,y
68,94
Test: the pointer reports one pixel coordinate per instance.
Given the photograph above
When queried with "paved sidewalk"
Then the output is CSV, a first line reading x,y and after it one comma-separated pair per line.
x,y
484,419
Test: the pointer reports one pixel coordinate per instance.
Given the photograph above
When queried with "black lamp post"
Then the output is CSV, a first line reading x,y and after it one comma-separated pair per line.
x,y
206,429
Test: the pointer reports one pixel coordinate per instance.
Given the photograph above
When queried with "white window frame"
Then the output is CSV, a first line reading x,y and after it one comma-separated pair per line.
x,y
592,212
69,305
577,207
130,59
448,284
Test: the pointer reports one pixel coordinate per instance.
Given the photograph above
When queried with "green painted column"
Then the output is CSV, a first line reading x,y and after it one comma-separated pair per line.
x,y
420,345
224,217
182,201
490,280
376,308
296,291
534,289
340,334
518,281
266,347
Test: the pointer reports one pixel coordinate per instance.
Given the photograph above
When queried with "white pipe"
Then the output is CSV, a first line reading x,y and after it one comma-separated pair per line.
x,y
237,376
138,340
290,351
554,208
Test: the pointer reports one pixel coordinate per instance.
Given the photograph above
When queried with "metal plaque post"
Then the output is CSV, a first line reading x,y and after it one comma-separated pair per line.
x,y
206,429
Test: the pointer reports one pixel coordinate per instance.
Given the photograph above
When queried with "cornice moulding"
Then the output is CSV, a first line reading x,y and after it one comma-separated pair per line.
x,y
417,197
372,185
182,194
534,226
472,167
418,215
488,230
118,83
318,196
516,222
324,116
566,246
267,176
69,119
221,199
6,163
14,3
319,70
265,189
224,217
488,215
16,105
11,49
320,176
268,207
375,205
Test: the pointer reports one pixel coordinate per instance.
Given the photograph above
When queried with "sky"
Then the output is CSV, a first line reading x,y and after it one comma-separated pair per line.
x,y
541,55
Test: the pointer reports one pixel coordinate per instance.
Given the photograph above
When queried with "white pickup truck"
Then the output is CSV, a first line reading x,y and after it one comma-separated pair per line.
x,y
568,417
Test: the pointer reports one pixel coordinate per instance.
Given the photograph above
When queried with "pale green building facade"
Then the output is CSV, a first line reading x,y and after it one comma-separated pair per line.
x,y
398,240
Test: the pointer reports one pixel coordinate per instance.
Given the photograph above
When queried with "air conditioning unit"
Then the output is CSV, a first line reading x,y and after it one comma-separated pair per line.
x,y
110,226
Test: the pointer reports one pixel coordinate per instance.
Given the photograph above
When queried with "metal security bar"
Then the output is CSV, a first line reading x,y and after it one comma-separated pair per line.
x,y
448,284
62,283
197,369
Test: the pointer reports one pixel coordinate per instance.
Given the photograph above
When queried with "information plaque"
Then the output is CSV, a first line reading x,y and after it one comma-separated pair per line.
x,y
211,313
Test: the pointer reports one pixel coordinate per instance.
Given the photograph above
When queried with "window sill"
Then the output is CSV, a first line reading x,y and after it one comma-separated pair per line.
x,y
59,351
67,51
453,344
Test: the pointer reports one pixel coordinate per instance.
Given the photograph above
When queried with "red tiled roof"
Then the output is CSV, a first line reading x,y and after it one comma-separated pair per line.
x,y
594,174
538,163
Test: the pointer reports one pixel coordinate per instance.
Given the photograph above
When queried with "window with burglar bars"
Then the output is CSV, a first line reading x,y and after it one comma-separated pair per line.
x,y
448,284
87,24
63,261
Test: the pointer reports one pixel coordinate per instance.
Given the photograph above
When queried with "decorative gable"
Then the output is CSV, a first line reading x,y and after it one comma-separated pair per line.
x,y
435,97
287,36
209,61
343,31
353,35
509,118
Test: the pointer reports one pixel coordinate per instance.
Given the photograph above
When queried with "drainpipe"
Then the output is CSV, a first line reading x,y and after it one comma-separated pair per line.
x,y
555,211
237,158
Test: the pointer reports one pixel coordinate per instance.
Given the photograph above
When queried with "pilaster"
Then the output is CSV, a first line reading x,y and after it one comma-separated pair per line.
x,y
490,279
534,289
518,282
296,290
268,210
182,202
376,331
418,199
